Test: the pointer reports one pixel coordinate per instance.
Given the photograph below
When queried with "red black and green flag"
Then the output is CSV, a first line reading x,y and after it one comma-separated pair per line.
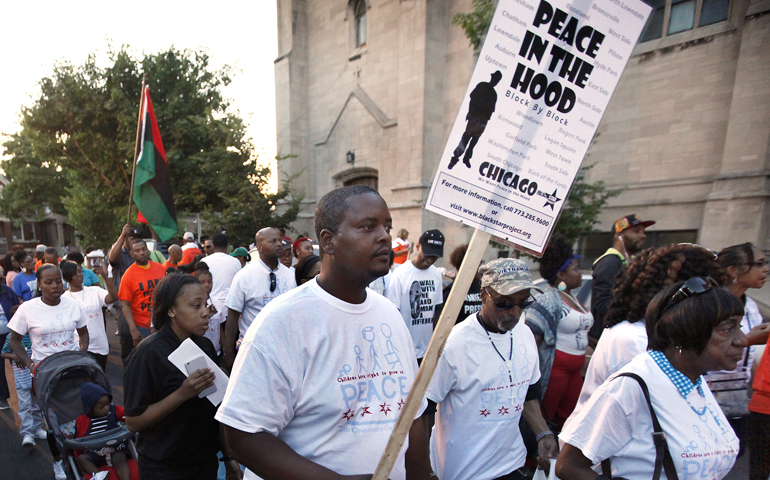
x,y
152,182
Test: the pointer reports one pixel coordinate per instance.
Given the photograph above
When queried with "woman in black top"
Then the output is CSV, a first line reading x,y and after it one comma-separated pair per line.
x,y
179,436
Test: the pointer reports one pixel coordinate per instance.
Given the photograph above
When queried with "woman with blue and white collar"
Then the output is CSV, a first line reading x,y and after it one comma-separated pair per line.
x,y
693,327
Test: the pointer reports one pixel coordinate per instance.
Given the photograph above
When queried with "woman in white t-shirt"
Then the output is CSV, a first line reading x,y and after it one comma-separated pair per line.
x,y
93,299
693,328
649,272
51,322
560,324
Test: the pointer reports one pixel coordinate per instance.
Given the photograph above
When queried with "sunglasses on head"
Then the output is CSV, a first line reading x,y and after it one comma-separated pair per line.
x,y
273,283
507,305
691,287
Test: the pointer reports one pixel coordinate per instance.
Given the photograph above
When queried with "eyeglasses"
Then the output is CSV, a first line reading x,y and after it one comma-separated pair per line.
x,y
507,305
691,287
206,247
273,283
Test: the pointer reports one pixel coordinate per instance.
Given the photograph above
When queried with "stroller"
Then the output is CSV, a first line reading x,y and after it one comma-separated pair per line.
x,y
57,387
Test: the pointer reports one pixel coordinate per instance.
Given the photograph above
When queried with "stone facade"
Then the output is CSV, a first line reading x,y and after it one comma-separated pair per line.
x,y
686,136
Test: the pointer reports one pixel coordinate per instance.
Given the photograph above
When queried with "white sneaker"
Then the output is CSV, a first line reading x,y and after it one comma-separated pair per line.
x,y
100,476
58,471
27,441
41,434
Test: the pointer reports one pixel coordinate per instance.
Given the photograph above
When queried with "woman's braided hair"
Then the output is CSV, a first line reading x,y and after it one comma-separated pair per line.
x,y
654,269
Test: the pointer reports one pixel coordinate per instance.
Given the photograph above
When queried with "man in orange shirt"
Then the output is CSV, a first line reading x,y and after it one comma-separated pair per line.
x,y
136,288
174,256
190,249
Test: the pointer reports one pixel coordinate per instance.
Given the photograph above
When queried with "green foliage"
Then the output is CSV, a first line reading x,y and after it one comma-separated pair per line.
x,y
476,23
581,211
249,207
74,152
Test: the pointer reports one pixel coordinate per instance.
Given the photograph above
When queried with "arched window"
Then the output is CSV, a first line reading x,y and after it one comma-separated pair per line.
x,y
360,23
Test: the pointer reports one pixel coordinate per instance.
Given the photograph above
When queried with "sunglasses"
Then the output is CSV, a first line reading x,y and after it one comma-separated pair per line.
x,y
691,287
507,305
206,247
273,283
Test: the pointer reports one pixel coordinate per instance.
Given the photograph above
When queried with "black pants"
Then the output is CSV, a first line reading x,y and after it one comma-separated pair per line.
x,y
152,470
124,333
100,359
5,394
758,434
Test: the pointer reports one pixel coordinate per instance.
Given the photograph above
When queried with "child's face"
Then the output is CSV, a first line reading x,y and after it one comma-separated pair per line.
x,y
101,408
206,280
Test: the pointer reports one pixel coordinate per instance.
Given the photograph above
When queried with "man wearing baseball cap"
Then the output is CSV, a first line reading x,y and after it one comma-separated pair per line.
x,y
416,288
190,249
627,240
486,380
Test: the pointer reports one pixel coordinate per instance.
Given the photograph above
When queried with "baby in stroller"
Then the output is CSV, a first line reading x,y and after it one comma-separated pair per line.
x,y
100,415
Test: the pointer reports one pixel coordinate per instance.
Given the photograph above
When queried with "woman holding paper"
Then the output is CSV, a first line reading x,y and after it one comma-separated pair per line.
x,y
180,438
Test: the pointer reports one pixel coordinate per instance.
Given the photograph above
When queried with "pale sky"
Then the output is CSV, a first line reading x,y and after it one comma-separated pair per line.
x,y
35,35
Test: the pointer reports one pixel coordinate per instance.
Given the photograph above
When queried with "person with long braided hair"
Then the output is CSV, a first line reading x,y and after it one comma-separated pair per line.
x,y
649,272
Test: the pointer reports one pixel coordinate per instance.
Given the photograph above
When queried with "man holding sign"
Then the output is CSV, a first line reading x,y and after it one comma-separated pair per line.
x,y
324,369
486,380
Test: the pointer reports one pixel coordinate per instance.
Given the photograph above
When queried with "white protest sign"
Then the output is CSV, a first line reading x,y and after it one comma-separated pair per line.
x,y
542,82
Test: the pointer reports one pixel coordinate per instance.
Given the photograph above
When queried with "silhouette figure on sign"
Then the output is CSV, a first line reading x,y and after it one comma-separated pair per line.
x,y
480,110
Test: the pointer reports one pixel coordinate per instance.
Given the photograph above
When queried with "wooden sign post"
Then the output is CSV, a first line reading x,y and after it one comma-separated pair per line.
x,y
455,301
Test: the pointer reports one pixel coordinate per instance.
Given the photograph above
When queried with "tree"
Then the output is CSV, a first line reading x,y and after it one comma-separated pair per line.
x,y
79,134
581,209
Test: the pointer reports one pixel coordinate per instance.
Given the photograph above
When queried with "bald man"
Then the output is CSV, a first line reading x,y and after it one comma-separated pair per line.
x,y
253,287
174,256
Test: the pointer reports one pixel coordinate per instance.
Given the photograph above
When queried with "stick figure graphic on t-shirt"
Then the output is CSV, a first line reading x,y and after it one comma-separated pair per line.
x,y
703,418
346,369
693,446
359,360
706,446
369,335
283,285
392,356
504,380
525,363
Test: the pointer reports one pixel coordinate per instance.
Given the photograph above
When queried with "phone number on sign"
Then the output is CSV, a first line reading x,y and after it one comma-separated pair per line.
x,y
528,216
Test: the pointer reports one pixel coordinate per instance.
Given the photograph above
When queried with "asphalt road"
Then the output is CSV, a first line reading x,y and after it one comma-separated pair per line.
x,y
18,463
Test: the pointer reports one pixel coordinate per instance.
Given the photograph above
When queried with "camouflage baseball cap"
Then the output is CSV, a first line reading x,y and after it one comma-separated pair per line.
x,y
506,276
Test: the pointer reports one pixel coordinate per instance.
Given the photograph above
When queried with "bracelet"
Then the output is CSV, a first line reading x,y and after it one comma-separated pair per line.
x,y
542,434
226,458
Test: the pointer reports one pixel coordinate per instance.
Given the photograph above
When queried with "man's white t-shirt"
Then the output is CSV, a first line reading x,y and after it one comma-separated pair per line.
x,y
92,300
223,268
325,376
616,348
416,293
616,423
51,328
477,433
250,290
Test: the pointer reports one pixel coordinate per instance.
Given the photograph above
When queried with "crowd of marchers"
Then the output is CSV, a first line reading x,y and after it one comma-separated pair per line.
x,y
657,372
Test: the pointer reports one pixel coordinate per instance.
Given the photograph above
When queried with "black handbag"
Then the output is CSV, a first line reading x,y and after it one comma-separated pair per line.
x,y
662,455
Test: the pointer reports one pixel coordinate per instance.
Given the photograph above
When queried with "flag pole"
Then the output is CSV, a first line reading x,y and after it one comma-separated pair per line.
x,y
136,149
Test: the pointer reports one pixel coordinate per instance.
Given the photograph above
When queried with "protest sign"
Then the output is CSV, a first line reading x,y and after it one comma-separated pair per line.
x,y
542,82
540,87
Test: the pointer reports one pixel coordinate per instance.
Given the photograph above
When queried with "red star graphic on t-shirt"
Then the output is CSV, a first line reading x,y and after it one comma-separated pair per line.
x,y
365,411
485,412
517,408
348,415
502,410
385,408
400,403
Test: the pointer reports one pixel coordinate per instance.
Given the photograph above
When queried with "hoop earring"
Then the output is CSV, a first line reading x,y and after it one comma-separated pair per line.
x,y
562,286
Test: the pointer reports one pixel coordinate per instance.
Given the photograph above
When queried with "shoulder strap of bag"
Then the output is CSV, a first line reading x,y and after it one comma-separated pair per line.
x,y
662,455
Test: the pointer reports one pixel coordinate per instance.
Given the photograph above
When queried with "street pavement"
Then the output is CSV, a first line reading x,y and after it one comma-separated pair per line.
x,y
18,463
